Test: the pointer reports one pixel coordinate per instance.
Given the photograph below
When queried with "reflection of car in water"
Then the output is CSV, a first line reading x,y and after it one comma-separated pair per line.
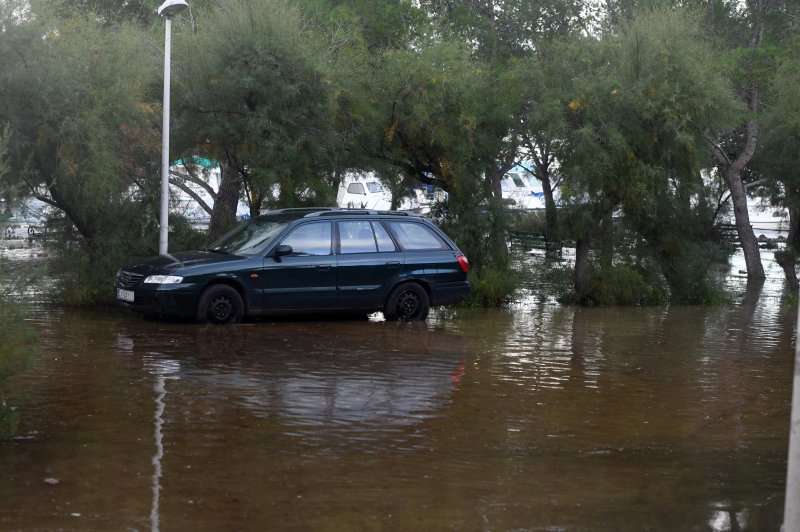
x,y
323,380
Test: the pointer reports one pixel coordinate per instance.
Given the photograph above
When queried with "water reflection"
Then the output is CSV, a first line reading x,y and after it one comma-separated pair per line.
x,y
163,371
330,385
537,417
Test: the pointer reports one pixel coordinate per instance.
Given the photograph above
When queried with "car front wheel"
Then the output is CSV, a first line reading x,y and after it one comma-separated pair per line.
x,y
221,305
407,302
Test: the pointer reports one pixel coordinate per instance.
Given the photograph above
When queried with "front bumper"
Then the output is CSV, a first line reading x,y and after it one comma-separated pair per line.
x,y
163,300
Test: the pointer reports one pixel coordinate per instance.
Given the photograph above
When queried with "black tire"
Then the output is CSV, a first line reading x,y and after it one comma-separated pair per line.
x,y
221,305
407,302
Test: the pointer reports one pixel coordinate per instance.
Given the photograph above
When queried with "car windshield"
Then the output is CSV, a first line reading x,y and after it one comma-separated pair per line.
x,y
249,237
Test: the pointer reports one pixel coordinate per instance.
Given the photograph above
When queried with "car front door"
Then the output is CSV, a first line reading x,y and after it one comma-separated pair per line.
x,y
305,279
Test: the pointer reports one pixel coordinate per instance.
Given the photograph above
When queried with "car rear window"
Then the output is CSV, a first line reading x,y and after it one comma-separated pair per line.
x,y
356,237
363,236
385,242
416,236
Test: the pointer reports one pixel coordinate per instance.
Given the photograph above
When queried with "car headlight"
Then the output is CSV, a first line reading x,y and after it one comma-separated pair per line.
x,y
163,279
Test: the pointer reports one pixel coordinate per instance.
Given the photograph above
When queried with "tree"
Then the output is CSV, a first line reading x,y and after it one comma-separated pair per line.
x,y
508,36
639,116
81,134
84,140
435,115
390,24
776,162
751,30
256,94
548,76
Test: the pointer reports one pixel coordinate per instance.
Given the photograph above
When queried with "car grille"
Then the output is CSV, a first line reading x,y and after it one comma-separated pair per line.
x,y
128,279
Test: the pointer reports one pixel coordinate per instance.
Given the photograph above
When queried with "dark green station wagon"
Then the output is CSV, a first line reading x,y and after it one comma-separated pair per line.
x,y
304,261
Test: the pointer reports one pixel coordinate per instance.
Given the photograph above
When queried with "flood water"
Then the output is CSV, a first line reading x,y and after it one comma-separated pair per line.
x,y
536,417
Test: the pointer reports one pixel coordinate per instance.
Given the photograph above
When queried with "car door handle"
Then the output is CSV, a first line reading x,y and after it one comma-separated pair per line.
x,y
323,266
393,263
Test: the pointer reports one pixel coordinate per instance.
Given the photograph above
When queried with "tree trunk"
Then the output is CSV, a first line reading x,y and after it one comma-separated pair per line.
x,y
787,258
607,241
497,237
581,265
550,213
85,226
223,216
747,238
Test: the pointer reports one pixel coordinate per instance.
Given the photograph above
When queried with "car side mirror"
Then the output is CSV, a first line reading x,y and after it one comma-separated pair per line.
x,y
283,250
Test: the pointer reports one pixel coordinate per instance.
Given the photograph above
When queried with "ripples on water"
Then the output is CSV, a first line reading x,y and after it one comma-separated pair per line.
x,y
538,416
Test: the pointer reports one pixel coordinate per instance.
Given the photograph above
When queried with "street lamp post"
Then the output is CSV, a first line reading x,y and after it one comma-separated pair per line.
x,y
168,9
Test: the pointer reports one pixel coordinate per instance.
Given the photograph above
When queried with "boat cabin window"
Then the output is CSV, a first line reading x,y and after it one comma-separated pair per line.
x,y
355,188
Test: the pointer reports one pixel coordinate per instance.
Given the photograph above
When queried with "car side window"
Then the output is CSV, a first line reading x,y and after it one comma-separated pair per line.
x,y
416,236
356,237
385,242
310,239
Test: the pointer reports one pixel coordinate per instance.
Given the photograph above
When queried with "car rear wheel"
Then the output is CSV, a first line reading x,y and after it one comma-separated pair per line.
x,y
220,304
407,302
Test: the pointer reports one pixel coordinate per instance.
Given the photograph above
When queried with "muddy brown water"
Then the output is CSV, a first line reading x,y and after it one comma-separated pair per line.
x,y
537,417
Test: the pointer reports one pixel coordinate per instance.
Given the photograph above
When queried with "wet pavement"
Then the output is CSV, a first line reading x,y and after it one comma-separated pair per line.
x,y
536,417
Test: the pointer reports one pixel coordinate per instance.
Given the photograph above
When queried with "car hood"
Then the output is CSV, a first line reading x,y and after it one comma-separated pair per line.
x,y
172,262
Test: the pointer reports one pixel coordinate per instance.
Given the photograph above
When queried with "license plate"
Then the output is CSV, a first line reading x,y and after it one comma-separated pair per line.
x,y
125,295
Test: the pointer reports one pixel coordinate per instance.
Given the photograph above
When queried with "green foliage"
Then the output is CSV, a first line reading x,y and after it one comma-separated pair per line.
x,y
640,113
291,95
382,25
80,127
438,116
256,90
622,285
776,159
507,29
492,286
84,275
468,223
532,222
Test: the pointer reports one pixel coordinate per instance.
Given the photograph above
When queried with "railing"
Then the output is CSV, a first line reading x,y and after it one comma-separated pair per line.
x,y
532,240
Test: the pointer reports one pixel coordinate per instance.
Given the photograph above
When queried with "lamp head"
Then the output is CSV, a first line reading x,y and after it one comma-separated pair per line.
x,y
171,8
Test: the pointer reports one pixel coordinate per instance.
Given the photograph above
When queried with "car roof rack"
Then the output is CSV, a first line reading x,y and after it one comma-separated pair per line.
x,y
298,210
355,212
309,212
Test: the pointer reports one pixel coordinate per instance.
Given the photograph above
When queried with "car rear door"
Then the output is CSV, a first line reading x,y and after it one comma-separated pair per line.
x,y
368,264
427,254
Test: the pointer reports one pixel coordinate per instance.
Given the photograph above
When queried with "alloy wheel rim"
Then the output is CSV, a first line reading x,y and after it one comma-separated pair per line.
x,y
408,304
220,308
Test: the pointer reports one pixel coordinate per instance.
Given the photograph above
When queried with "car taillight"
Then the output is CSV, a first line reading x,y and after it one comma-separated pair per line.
x,y
464,263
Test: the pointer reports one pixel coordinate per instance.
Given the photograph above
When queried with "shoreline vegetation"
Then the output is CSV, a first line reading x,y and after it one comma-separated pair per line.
x,y
638,121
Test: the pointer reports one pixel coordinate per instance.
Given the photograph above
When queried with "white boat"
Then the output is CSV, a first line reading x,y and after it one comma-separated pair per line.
x,y
365,191
522,190
766,219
